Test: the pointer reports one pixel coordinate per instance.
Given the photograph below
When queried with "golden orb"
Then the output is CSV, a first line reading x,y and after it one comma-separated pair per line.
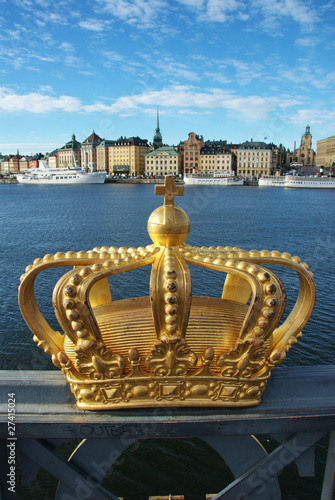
x,y
168,226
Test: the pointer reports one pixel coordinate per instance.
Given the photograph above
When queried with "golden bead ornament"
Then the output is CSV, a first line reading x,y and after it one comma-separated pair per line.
x,y
171,348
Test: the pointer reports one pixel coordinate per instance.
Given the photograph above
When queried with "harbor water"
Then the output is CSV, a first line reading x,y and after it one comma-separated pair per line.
x,y
39,220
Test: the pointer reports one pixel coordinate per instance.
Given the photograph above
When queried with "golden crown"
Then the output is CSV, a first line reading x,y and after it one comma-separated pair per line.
x,y
171,348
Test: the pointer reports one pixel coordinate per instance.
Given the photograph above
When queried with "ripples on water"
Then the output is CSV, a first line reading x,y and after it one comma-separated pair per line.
x,y
37,220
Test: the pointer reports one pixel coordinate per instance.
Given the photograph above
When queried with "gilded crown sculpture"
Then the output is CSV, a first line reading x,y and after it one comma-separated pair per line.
x,y
170,348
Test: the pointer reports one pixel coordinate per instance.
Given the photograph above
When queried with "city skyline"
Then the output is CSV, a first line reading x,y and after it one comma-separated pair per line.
x,y
225,69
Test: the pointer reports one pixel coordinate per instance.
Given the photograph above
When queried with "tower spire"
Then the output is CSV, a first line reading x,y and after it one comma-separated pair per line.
x,y
157,141
157,125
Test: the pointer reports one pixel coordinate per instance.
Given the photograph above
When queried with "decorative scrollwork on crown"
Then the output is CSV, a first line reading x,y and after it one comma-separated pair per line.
x,y
171,348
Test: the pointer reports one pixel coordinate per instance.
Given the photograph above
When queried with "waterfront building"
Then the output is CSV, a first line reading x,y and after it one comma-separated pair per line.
x,y
89,152
304,155
192,150
233,148
33,161
23,164
325,153
14,163
69,154
127,156
165,160
4,165
52,159
216,156
255,159
103,154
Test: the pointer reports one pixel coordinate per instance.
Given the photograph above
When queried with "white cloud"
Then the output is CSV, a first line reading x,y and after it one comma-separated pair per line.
x,y
181,99
188,111
296,10
219,11
272,11
311,116
140,12
92,25
66,46
218,77
269,13
187,97
214,10
113,56
306,42
303,75
36,102
175,70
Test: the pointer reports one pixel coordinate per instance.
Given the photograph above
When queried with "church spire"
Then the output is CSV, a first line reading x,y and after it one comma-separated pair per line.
x,y
157,125
157,141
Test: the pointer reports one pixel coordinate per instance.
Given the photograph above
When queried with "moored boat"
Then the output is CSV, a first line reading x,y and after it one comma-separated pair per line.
x,y
272,181
227,178
46,175
298,181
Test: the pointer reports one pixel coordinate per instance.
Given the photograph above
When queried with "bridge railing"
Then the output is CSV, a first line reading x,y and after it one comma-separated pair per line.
x,y
38,412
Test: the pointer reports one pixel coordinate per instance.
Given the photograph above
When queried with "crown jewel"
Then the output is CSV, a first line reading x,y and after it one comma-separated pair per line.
x,y
171,348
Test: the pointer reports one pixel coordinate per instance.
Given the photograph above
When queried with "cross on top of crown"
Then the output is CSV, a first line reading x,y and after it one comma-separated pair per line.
x,y
169,190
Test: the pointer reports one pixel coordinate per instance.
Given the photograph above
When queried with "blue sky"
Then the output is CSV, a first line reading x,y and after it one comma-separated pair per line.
x,y
225,69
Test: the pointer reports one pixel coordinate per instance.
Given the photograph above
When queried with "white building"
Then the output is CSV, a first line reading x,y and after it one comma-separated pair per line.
x,y
163,161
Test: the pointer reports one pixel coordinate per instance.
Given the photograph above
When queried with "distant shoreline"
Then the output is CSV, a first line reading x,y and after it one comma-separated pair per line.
x,y
129,180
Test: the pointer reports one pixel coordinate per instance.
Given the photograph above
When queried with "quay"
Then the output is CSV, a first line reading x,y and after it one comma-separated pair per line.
x,y
297,410
8,180
131,180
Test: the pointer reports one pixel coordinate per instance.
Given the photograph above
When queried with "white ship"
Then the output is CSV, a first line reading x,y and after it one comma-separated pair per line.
x,y
216,178
46,175
297,181
272,180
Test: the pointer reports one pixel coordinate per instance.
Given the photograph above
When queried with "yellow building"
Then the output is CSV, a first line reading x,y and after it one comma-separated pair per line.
x,y
325,152
69,154
163,161
102,152
215,156
52,159
127,156
14,163
4,166
255,159
23,165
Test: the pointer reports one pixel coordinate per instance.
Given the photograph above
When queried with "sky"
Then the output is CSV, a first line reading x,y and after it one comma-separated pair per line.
x,y
233,70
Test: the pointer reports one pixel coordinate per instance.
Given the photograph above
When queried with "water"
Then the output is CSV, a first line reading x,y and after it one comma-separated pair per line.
x,y
37,220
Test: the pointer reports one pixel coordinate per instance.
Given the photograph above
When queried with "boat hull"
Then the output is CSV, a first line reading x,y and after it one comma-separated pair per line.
x,y
55,179
274,181
310,182
208,181
295,181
